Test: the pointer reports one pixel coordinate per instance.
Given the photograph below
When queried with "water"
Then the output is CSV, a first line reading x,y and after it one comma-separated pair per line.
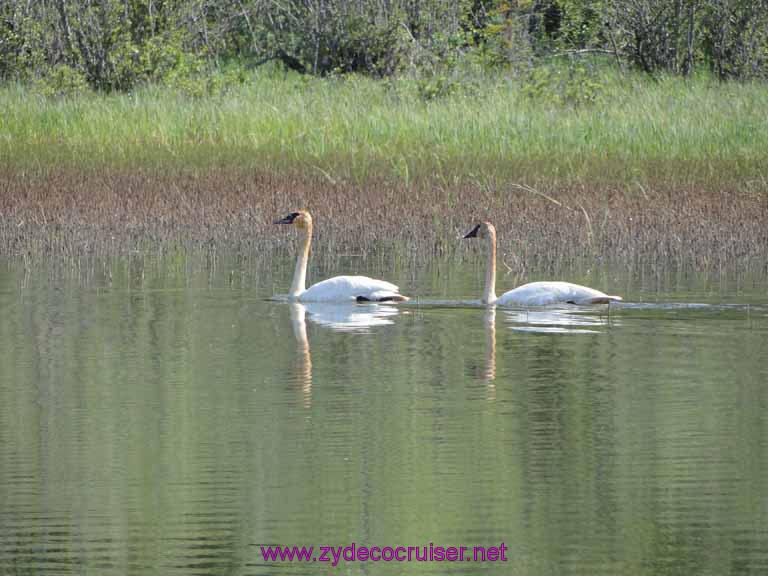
x,y
164,418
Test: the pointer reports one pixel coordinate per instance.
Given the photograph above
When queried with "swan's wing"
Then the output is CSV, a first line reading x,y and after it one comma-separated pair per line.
x,y
546,293
350,288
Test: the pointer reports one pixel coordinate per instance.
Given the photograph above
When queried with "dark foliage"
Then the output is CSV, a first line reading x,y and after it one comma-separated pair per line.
x,y
116,44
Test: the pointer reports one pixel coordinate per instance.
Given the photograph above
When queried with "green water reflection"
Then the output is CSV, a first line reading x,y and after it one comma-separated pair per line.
x,y
170,420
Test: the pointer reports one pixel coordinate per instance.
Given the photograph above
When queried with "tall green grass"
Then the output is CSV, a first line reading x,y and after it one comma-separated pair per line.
x,y
633,130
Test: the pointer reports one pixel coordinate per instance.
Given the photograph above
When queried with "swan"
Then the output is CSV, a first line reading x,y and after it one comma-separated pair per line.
x,y
338,288
533,293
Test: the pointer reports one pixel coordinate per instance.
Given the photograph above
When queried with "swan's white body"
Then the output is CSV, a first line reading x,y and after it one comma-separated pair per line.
x,y
338,288
547,293
350,289
533,293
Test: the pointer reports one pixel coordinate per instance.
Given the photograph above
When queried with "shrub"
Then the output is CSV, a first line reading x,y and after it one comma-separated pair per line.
x,y
62,81
574,84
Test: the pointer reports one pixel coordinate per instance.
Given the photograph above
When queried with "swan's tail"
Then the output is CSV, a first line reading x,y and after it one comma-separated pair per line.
x,y
603,299
383,298
394,298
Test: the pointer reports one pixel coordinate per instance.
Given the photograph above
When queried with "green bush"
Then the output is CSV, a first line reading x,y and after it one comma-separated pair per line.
x,y
117,45
438,86
62,81
574,84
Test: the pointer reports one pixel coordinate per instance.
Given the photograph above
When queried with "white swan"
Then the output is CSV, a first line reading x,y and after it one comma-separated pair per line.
x,y
533,293
338,288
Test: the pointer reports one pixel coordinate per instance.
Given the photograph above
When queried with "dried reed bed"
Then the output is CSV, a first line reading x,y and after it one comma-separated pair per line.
x,y
69,214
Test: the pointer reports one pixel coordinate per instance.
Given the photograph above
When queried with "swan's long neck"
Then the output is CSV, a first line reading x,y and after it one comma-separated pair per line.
x,y
489,294
300,273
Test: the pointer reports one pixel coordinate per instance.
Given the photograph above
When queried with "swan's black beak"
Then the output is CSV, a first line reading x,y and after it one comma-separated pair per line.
x,y
288,219
472,233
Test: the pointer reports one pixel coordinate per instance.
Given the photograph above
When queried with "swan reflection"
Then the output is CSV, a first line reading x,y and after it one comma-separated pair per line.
x,y
489,321
303,362
551,320
355,318
489,372
351,317
557,320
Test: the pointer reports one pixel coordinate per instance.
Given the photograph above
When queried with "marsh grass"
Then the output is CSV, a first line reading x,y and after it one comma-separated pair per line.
x,y
355,130
71,213
666,172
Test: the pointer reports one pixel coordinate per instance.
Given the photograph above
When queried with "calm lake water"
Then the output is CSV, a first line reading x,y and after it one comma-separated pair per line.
x,y
165,418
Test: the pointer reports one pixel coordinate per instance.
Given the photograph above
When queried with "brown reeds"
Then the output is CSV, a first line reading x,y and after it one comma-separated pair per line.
x,y
73,213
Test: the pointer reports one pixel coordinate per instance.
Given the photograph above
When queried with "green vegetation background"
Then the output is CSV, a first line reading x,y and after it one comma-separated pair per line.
x,y
557,90
354,128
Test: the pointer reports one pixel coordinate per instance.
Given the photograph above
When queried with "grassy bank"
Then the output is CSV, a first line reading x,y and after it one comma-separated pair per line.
x,y
568,166
558,128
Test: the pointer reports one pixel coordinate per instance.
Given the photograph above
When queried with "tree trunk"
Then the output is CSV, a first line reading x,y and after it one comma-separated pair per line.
x,y
688,64
62,8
